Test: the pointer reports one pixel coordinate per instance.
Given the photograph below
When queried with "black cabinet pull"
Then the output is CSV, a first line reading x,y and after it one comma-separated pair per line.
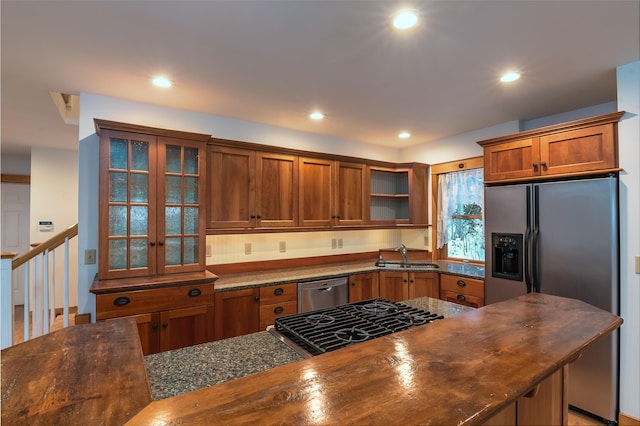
x,y
121,301
257,298
160,243
278,291
278,310
165,325
461,297
259,217
155,326
194,292
544,165
535,166
152,243
461,283
253,216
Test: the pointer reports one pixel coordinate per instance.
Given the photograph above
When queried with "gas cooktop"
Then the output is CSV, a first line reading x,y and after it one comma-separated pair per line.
x,y
325,330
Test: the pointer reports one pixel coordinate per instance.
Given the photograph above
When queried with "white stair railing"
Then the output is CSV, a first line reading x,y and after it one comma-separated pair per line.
x,y
39,287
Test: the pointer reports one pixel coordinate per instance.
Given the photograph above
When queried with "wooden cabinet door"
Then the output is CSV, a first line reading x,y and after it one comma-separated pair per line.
x,y
512,160
127,208
351,194
577,151
316,192
231,188
394,286
363,287
148,330
184,327
418,199
276,190
424,284
237,312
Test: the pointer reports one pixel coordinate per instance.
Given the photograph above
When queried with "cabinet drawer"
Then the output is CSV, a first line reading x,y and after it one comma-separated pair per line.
x,y
113,305
268,313
467,286
278,293
462,299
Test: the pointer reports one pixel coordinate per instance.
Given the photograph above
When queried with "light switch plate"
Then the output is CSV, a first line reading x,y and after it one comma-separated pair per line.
x,y
283,246
339,242
89,257
334,243
247,248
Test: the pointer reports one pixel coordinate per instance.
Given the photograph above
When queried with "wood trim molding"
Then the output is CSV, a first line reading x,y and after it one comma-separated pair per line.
x,y
6,178
458,165
265,265
627,420
135,128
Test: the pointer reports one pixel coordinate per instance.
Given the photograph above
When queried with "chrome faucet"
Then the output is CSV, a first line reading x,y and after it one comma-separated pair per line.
x,y
403,252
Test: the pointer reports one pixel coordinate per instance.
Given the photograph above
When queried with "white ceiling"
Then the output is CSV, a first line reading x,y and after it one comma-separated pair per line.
x,y
274,61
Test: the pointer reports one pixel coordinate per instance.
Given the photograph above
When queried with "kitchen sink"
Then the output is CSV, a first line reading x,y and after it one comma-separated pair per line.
x,y
407,265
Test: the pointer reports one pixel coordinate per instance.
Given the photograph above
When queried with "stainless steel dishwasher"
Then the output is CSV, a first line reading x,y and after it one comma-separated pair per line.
x,y
314,295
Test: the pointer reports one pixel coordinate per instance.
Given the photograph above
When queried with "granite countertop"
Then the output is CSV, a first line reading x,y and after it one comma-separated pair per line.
x,y
310,273
184,370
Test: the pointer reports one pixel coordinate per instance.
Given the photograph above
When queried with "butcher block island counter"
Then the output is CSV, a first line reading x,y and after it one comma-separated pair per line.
x,y
466,369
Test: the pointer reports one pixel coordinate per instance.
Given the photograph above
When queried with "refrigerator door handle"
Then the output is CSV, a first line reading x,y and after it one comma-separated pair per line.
x,y
527,245
536,234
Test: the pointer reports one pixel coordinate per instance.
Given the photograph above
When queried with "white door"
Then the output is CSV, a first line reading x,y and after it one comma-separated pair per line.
x,y
15,229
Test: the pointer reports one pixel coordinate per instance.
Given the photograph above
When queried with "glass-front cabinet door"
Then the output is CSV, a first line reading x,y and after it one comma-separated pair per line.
x,y
151,221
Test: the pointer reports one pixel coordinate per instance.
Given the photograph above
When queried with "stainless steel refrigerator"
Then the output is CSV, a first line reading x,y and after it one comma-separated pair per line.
x,y
561,238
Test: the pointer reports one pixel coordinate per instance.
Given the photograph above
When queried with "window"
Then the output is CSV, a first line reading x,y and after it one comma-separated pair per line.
x,y
459,227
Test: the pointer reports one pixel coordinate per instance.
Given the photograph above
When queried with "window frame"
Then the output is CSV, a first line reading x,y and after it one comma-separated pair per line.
x,y
438,169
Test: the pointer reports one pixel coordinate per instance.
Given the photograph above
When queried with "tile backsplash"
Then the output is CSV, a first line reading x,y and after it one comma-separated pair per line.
x,y
237,248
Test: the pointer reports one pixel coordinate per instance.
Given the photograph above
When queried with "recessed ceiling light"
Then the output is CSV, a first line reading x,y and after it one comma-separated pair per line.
x,y
404,135
161,82
317,115
510,76
405,19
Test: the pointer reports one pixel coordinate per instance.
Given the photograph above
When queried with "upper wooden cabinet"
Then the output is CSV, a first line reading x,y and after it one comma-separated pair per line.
x,y
151,209
578,147
250,189
398,195
317,192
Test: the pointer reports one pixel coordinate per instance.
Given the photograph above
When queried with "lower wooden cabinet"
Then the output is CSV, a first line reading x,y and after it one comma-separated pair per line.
x,y
167,317
546,404
399,286
236,313
363,287
276,301
461,290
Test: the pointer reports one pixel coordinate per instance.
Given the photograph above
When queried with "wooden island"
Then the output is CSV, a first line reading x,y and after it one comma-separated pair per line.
x,y
473,368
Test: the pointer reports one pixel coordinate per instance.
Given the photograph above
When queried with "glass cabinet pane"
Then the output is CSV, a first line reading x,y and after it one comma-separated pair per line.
x,y
190,190
173,154
117,221
140,156
172,251
190,220
118,154
139,188
174,189
118,254
117,187
191,161
139,252
190,250
173,220
139,220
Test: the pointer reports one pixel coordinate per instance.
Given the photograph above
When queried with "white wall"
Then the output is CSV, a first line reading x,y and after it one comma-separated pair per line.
x,y
629,144
54,197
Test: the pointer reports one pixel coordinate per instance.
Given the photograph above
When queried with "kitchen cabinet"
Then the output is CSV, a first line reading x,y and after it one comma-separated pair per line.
x,y
399,286
237,312
151,210
167,317
276,301
249,189
363,287
580,147
351,194
398,195
317,192
462,290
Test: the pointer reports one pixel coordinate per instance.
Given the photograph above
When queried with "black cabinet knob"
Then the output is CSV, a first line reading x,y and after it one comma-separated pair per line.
x,y
165,325
154,326
152,243
194,292
278,291
121,301
278,310
160,243
535,166
253,216
461,283
461,297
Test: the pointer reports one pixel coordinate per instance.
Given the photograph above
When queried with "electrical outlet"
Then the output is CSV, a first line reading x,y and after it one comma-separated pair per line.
x,y
209,250
89,257
334,243
283,246
247,248
426,241
339,242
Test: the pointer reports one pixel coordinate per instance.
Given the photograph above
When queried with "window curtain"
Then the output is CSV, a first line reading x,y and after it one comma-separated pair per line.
x,y
454,191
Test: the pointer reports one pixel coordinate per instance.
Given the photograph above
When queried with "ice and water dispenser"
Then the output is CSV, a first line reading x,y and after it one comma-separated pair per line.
x,y
507,256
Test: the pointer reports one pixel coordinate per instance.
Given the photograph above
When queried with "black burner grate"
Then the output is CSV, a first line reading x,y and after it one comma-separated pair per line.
x,y
329,329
